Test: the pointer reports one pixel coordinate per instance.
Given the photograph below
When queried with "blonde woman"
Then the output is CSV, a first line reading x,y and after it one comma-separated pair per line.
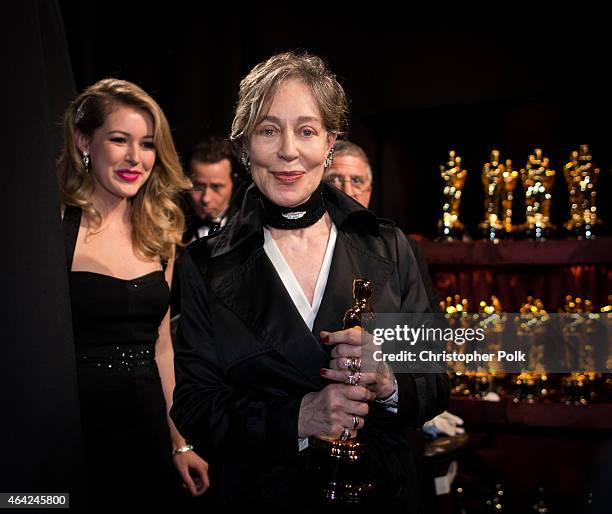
x,y
119,175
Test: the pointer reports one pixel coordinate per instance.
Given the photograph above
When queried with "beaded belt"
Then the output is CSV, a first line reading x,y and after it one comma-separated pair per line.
x,y
125,356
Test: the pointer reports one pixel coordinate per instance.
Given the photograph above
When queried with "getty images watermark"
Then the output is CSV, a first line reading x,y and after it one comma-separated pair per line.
x,y
508,342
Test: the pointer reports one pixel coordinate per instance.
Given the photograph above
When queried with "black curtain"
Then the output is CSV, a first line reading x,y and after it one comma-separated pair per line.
x,y
40,434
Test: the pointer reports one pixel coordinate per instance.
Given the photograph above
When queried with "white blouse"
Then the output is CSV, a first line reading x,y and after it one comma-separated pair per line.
x,y
307,311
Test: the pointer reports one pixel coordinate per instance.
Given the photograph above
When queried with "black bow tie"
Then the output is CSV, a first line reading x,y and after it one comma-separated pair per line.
x,y
212,225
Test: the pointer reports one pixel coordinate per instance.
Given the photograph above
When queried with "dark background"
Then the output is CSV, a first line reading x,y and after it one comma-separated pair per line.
x,y
419,84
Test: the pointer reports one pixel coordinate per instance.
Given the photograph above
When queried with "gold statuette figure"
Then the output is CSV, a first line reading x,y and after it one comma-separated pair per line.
x,y
341,468
492,182
531,326
510,177
499,182
538,178
582,176
454,179
493,319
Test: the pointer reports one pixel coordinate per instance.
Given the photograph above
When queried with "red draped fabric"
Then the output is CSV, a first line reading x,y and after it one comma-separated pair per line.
x,y
513,270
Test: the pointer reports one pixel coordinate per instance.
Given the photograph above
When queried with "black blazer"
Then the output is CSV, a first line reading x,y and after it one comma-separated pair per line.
x,y
244,358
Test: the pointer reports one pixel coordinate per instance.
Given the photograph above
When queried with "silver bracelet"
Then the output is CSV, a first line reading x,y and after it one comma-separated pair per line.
x,y
182,449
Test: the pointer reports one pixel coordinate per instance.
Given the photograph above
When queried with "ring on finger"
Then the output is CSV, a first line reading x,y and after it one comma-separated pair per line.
x,y
353,378
353,363
346,434
355,422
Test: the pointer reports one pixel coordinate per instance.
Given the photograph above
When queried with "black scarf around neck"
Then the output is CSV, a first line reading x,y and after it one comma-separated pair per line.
x,y
292,218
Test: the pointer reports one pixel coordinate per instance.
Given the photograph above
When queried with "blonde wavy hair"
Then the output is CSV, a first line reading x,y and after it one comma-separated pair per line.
x,y
259,86
157,220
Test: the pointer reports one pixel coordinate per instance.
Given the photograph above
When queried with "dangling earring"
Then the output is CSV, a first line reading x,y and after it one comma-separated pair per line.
x,y
329,158
244,159
86,161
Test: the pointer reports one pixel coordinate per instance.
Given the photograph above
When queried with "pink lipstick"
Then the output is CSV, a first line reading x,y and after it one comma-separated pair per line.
x,y
128,175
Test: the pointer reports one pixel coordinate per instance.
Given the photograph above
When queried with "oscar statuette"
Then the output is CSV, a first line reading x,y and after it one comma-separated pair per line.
x,y
341,467
491,226
449,227
538,178
582,176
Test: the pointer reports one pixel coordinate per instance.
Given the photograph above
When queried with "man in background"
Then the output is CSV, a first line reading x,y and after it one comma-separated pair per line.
x,y
213,200
212,168
350,171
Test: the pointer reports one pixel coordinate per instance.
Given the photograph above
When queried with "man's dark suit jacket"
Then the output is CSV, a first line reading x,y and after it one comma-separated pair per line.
x,y
244,358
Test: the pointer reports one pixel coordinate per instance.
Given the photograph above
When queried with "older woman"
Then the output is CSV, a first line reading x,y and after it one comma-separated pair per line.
x,y
260,356
119,176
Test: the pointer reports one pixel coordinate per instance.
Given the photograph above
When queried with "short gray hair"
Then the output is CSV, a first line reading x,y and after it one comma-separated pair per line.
x,y
346,147
262,81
